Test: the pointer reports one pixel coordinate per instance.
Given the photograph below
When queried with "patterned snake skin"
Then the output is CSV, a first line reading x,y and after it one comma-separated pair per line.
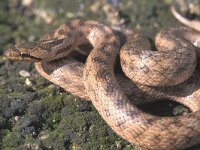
x,y
172,76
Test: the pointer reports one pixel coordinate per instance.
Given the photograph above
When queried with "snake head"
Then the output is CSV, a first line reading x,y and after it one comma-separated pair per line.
x,y
38,51
30,51
23,52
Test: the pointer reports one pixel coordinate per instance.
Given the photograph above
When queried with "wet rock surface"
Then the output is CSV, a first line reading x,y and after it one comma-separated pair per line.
x,y
34,113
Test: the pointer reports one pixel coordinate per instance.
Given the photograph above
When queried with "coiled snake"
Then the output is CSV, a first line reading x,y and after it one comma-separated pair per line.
x,y
171,77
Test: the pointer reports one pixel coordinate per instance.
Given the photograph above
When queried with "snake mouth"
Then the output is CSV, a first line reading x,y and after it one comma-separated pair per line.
x,y
30,58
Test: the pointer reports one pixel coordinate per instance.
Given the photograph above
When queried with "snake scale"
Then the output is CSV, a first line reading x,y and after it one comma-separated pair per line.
x,y
167,73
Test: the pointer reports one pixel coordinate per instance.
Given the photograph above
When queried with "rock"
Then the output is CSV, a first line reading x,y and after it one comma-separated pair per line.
x,y
24,73
28,82
27,3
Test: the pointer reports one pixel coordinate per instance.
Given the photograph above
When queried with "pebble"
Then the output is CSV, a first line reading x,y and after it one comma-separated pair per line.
x,y
32,146
46,16
24,73
16,118
118,145
43,137
27,3
28,82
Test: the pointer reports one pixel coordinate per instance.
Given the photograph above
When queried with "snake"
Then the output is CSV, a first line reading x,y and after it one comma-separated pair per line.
x,y
168,73
195,24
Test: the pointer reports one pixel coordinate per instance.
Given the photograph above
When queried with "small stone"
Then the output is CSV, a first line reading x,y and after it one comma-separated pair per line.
x,y
118,145
27,3
46,16
28,82
24,73
45,136
16,118
32,146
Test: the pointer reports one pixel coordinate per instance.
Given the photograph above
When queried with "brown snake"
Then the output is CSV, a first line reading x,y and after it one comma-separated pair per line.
x,y
96,80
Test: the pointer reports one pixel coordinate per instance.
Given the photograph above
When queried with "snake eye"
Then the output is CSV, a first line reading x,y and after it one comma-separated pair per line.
x,y
24,55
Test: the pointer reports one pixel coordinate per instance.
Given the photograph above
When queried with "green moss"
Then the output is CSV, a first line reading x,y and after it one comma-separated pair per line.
x,y
16,94
53,103
53,120
12,141
2,90
76,122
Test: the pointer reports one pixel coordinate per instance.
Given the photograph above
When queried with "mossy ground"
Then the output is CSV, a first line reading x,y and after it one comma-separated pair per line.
x,y
43,116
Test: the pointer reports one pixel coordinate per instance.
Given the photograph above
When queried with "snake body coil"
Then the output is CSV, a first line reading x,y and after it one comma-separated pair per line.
x,y
96,80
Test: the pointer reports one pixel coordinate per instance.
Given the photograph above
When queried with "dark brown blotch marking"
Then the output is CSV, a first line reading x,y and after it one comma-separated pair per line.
x,y
115,44
108,36
109,89
108,54
49,45
69,34
69,47
91,25
69,25
62,32
103,74
81,23
107,112
29,45
99,60
64,49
